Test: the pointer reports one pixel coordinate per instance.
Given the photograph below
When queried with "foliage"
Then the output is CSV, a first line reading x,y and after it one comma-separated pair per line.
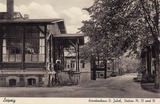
x,y
129,63
117,26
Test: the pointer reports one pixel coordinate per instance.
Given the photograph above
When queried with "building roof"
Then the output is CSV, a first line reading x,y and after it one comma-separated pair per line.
x,y
70,37
38,21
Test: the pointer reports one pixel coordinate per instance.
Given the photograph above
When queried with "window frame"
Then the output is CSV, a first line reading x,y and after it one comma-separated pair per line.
x,y
9,38
23,42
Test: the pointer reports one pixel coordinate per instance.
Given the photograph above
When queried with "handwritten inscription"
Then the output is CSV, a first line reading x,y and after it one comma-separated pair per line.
x,y
123,100
9,100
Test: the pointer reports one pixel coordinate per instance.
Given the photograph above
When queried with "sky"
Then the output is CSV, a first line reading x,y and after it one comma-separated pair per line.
x,y
69,10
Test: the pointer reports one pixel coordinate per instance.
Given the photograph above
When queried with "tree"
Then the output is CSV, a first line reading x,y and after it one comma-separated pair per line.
x,y
151,15
113,26
129,63
120,25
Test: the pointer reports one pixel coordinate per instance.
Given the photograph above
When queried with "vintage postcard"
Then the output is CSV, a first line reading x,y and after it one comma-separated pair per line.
x,y
79,51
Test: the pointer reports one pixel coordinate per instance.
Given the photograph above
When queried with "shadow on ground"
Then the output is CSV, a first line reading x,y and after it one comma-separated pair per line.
x,y
149,87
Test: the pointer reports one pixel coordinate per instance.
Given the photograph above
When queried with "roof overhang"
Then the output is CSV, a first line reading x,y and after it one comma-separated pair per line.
x,y
67,38
31,21
35,22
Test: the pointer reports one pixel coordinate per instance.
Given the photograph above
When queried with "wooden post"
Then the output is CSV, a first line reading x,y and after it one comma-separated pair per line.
x,y
1,44
45,31
76,47
50,50
105,66
94,68
91,66
62,57
54,50
78,52
23,46
98,66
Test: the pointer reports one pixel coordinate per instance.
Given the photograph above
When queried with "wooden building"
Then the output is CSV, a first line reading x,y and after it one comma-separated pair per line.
x,y
83,65
29,48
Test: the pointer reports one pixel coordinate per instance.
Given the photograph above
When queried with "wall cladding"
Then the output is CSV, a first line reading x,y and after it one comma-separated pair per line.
x,y
2,80
21,77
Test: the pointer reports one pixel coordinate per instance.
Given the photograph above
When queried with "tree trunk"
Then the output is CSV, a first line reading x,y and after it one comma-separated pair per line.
x,y
157,79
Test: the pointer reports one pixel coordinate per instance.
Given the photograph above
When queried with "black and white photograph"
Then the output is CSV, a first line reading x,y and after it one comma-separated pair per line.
x,y
99,51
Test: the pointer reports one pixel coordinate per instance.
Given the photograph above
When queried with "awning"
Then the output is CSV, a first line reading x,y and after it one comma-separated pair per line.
x,y
35,22
66,39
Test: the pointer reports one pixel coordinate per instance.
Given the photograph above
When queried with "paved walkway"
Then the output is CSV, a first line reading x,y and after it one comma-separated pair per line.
x,y
113,87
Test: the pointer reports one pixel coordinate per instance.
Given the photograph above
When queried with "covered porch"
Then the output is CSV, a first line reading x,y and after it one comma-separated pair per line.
x,y
60,43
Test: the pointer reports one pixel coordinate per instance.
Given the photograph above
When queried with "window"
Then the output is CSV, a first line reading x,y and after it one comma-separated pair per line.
x,y
82,64
68,66
12,82
12,45
31,81
72,64
34,45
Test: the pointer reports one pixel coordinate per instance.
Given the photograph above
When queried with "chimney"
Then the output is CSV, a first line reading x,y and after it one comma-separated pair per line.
x,y
26,16
10,9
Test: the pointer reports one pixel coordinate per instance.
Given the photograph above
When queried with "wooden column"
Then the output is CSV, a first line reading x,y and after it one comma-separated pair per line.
x,y
94,67
52,47
62,56
45,33
78,53
105,72
76,50
50,51
63,59
54,50
1,45
23,47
